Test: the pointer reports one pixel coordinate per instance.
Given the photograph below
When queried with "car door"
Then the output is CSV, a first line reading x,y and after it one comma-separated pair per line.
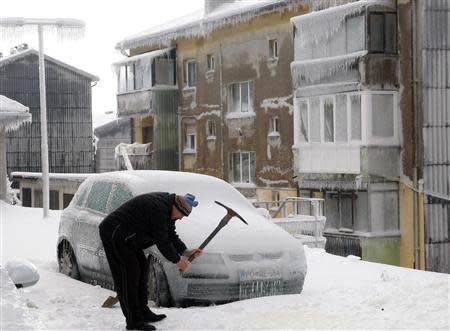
x,y
120,194
89,243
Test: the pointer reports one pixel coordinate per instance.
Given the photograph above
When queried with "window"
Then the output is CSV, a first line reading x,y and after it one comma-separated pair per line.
x,y
26,197
130,77
120,195
241,97
54,200
243,167
383,115
341,118
210,128
191,73
81,196
67,198
355,109
274,124
383,32
164,71
355,34
303,104
314,113
328,124
273,49
98,196
190,137
329,119
210,62
126,78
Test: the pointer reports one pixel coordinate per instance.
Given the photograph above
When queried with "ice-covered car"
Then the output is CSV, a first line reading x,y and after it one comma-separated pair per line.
x,y
242,261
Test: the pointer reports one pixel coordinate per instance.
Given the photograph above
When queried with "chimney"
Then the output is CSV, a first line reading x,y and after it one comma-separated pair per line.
x,y
13,50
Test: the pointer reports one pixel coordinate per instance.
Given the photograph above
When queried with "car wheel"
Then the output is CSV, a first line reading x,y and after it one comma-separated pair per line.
x,y
66,261
158,287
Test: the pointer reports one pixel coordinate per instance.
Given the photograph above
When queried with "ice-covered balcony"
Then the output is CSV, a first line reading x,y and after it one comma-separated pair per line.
x,y
347,133
138,77
342,48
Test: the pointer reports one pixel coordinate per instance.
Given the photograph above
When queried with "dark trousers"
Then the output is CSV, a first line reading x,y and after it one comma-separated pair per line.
x,y
129,269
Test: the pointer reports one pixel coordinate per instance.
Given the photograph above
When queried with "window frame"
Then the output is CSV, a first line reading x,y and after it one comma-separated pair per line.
x,y
210,128
274,124
250,89
187,71
349,140
273,49
210,63
187,147
250,172
369,37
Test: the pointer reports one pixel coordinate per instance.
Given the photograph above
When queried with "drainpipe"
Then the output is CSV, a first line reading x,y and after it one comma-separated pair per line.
x,y
222,115
416,129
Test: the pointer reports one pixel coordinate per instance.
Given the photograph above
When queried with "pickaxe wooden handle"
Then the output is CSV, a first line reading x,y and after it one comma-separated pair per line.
x,y
224,221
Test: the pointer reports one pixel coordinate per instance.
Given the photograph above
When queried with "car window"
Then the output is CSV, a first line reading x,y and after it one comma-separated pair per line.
x,y
81,196
120,195
98,196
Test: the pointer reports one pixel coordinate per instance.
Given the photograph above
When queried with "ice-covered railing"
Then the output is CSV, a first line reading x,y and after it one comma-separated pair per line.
x,y
133,156
308,72
321,25
301,217
201,24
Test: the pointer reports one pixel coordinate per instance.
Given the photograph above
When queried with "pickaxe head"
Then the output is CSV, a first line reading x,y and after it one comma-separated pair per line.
x,y
230,212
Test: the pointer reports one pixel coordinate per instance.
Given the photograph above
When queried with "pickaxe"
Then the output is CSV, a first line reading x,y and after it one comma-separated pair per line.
x,y
230,214
111,301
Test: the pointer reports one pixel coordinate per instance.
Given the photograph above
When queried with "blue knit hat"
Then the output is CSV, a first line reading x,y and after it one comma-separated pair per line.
x,y
185,203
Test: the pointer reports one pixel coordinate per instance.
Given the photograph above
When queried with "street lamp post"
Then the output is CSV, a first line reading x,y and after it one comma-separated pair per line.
x,y
65,29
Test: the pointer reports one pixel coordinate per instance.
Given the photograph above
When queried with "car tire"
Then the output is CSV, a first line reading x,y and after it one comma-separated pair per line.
x,y
158,286
67,263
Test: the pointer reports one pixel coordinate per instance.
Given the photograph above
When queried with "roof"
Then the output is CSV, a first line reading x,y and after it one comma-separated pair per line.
x,y
12,113
143,57
200,24
112,126
21,54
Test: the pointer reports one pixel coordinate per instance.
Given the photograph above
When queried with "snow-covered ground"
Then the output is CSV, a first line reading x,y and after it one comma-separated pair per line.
x,y
339,293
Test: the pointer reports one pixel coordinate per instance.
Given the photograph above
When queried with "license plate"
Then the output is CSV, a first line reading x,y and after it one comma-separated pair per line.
x,y
259,274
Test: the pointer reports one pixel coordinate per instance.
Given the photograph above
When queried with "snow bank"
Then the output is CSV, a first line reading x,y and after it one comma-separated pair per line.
x,y
22,272
339,293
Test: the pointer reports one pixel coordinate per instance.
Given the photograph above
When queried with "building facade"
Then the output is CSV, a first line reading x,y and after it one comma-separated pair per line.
x,y
231,69
69,114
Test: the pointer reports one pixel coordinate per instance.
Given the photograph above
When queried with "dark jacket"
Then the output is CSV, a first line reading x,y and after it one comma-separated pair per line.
x,y
145,221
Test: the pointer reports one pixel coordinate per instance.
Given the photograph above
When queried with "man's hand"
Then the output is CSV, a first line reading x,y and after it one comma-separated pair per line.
x,y
184,265
196,252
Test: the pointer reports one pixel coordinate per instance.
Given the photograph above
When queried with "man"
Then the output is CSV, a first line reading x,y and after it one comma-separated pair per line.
x,y
141,222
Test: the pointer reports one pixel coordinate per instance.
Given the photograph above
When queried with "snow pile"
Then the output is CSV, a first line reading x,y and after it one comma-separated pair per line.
x,y
339,293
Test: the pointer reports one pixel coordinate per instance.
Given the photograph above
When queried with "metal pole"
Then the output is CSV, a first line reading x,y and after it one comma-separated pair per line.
x,y
44,143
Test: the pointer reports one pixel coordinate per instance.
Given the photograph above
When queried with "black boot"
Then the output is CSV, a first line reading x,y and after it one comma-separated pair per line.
x,y
140,325
150,316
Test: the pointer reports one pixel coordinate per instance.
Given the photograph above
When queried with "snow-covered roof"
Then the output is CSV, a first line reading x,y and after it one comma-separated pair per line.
x,y
144,57
111,126
200,24
20,55
12,113
325,22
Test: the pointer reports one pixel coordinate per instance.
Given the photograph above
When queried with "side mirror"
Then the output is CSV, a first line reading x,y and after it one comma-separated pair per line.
x,y
22,272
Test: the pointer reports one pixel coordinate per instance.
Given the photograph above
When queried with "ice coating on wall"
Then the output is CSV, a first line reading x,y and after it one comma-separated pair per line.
x,y
309,72
322,25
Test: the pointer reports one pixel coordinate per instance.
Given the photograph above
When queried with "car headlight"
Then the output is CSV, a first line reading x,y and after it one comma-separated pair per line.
x,y
207,266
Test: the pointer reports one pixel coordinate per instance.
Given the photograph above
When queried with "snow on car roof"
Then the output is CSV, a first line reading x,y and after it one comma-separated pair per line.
x,y
260,234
